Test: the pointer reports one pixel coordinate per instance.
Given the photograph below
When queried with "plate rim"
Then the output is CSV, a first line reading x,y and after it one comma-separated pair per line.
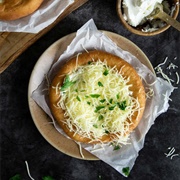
x,y
107,33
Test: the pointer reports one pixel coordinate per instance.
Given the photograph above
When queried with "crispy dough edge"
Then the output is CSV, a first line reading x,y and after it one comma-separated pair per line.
x,y
112,60
19,11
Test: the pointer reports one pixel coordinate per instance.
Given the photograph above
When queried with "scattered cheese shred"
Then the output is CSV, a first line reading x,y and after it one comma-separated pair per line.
x,y
171,153
171,67
99,103
28,171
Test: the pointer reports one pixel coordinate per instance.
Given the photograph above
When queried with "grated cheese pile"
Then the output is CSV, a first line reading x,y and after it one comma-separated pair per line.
x,y
98,102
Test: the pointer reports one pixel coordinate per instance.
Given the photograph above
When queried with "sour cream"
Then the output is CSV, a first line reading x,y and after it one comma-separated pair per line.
x,y
135,11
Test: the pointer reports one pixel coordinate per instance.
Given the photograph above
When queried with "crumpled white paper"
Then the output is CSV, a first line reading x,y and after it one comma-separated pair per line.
x,y
40,19
89,37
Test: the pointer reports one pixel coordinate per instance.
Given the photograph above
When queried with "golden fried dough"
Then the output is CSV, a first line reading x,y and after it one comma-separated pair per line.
x,y
15,9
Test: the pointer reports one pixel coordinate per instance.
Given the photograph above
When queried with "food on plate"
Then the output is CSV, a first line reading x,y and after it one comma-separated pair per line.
x,y
136,11
15,9
97,97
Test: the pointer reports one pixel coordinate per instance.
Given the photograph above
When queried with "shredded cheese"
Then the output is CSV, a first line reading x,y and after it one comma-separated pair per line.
x,y
171,153
99,103
171,71
28,171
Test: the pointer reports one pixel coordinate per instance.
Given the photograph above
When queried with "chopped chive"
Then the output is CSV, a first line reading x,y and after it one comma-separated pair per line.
x,y
67,83
95,125
122,105
89,62
99,108
88,102
106,72
83,90
100,84
102,100
100,117
106,131
111,100
76,90
117,96
47,178
78,98
126,171
16,177
116,147
112,107
94,95
86,96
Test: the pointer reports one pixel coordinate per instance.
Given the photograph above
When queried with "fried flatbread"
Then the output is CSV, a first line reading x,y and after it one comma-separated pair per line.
x,y
127,71
15,9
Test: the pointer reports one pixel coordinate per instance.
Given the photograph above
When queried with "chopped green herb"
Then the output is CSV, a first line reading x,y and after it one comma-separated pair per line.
x,y
117,96
100,117
83,90
86,96
116,147
112,107
106,131
99,108
122,105
67,83
76,90
126,171
102,100
88,102
106,72
78,98
100,84
47,178
95,125
94,95
16,177
89,62
111,100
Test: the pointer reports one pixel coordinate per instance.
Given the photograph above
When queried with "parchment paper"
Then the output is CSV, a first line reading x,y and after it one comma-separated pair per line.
x,y
41,18
88,37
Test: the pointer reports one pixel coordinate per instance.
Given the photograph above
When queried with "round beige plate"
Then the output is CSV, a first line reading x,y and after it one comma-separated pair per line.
x,y
40,118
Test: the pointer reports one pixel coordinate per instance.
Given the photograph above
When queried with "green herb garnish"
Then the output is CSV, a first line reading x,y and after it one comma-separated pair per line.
x,y
78,98
88,102
16,177
126,171
116,147
99,108
117,96
95,125
106,72
89,62
100,84
112,107
106,131
102,100
94,95
100,117
122,105
111,100
47,178
67,83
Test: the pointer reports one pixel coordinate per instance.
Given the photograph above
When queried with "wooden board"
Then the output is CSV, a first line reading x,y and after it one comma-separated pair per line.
x,y
12,44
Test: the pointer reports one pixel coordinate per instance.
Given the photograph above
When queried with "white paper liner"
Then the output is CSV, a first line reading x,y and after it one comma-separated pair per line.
x,y
40,19
88,37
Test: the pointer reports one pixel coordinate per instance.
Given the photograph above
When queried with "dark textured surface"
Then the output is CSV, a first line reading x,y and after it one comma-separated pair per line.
x,y
21,141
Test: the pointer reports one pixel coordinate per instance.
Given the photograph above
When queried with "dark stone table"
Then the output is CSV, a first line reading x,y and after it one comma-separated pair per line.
x,y
21,141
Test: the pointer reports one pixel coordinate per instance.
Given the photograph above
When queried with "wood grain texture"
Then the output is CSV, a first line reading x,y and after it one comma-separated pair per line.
x,y
12,44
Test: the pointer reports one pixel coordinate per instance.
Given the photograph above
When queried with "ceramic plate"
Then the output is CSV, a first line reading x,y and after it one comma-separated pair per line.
x,y
40,118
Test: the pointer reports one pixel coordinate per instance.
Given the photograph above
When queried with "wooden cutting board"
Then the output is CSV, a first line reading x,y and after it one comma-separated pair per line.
x,y
12,44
